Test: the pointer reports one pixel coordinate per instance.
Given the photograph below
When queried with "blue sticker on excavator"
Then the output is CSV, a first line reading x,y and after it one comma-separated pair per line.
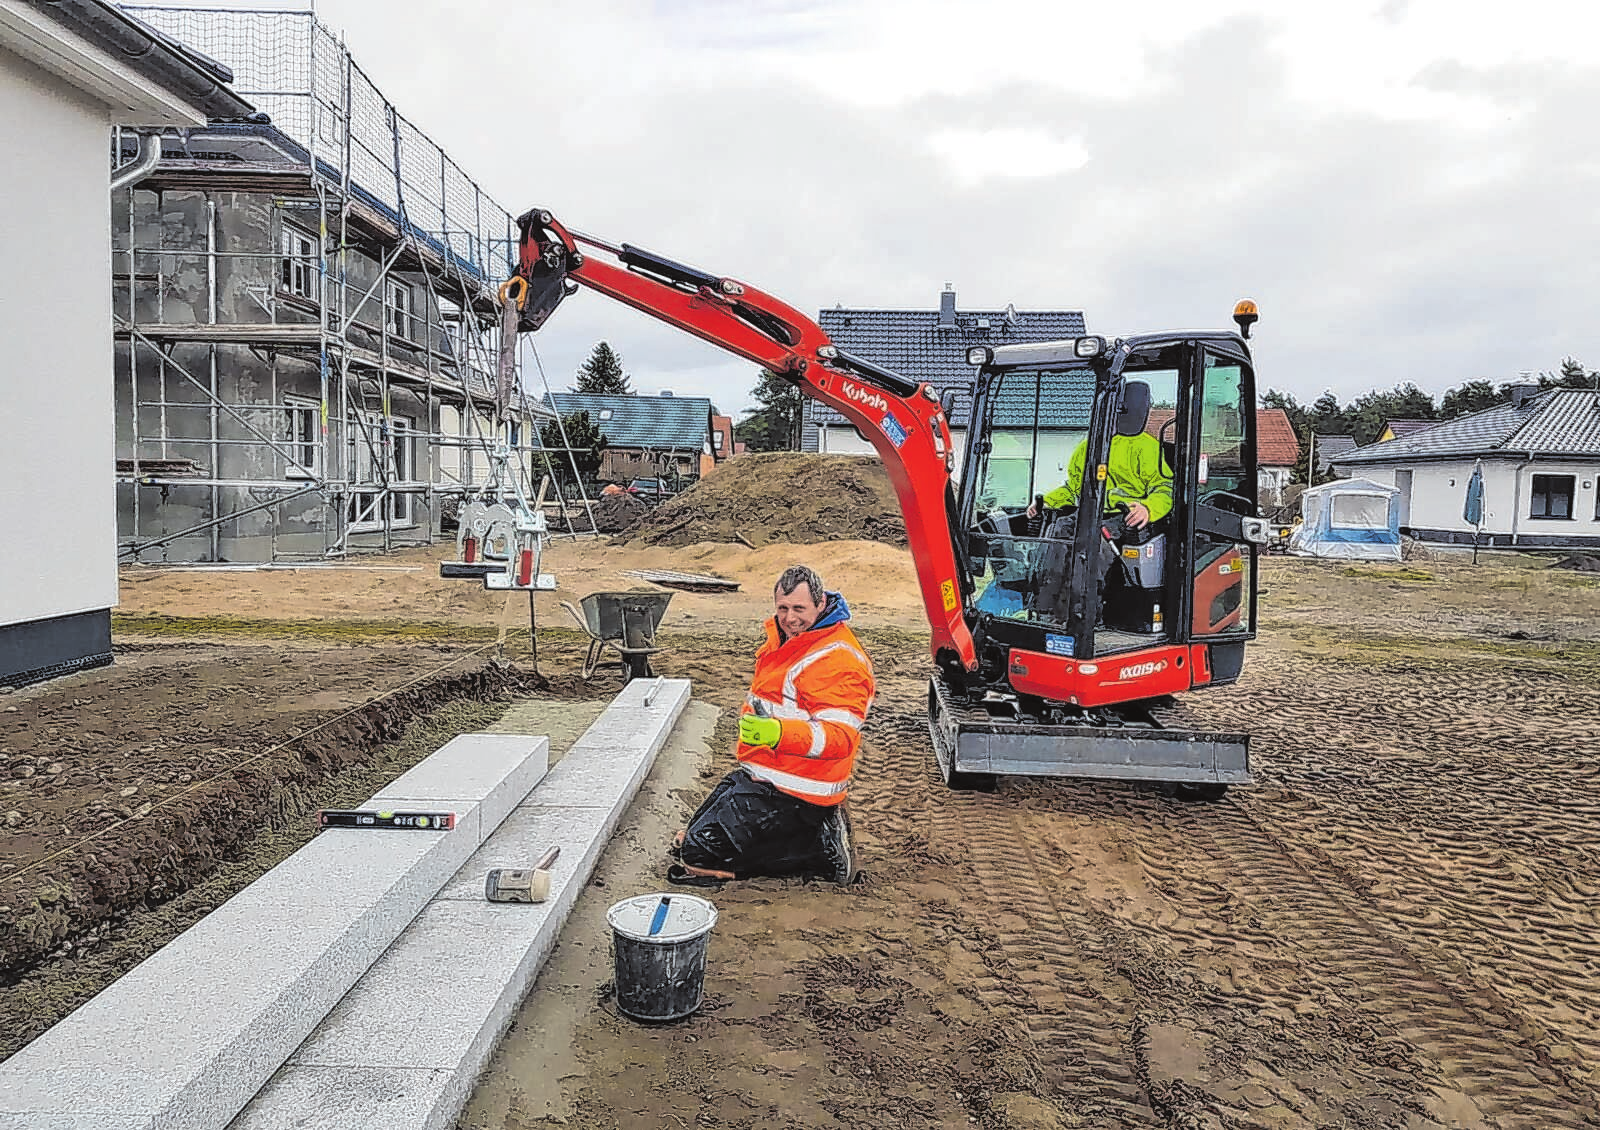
x,y
892,428
1058,645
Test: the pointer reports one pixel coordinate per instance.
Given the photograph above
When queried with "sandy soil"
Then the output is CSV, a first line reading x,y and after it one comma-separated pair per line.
x,y
1395,928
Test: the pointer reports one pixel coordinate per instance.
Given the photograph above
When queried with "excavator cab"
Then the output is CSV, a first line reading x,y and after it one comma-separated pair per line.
x,y
1106,526
1104,496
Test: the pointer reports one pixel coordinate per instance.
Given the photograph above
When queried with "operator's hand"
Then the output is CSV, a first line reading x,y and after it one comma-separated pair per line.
x,y
1138,516
760,731
1033,511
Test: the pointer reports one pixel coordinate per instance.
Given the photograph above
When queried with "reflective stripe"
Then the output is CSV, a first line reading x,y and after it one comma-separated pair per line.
x,y
782,711
794,672
795,783
819,739
843,717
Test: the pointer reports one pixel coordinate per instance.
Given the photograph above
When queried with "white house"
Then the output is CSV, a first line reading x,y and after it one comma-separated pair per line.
x,y
1541,472
70,70
926,345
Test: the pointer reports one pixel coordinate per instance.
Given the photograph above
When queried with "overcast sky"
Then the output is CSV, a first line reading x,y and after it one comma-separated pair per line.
x,y
1409,189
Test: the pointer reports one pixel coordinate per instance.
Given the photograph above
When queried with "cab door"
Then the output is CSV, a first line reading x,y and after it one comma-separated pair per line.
x,y
1221,572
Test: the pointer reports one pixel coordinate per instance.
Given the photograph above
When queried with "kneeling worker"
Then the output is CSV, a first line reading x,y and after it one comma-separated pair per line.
x,y
782,812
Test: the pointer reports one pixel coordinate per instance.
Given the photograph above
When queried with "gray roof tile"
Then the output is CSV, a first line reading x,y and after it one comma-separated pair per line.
x,y
658,423
1556,422
909,342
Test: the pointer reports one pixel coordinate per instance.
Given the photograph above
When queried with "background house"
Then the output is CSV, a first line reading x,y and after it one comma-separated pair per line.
x,y
1399,429
723,447
69,73
1277,453
1541,465
1327,450
925,345
647,437
304,317
1277,449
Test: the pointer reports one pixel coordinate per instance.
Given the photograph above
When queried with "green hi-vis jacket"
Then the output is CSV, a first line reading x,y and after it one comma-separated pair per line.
x,y
1135,472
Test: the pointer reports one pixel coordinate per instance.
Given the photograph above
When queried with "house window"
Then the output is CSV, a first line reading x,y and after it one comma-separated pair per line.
x,y
1552,496
298,269
716,440
398,309
516,435
605,413
303,433
371,450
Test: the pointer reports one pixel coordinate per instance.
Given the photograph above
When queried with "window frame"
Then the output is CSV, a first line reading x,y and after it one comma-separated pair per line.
x,y
1534,494
297,411
399,313
297,271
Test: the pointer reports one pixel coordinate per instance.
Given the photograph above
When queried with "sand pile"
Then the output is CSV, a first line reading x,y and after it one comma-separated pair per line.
x,y
781,497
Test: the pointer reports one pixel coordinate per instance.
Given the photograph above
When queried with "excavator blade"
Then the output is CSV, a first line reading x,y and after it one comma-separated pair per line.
x,y
973,746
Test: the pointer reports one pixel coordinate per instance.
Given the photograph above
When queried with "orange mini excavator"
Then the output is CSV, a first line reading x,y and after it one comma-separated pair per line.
x,y
1058,644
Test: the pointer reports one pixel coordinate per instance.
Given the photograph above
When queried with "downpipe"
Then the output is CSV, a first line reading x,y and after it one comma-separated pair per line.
x,y
141,166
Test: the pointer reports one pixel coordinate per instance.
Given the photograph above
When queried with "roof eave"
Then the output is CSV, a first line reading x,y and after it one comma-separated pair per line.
x,y
117,61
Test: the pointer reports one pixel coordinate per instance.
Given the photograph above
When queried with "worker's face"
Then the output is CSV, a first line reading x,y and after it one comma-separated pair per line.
x,y
795,610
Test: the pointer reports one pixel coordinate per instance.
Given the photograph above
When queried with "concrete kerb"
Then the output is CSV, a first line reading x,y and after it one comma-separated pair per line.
x,y
187,1037
405,1046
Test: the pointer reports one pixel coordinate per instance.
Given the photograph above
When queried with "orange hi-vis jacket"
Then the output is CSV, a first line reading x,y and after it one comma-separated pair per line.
x,y
819,686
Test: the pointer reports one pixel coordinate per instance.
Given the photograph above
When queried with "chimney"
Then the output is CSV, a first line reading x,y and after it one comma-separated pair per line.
x,y
947,307
1521,394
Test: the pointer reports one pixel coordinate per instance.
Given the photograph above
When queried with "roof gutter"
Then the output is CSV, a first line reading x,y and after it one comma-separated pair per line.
x,y
139,168
184,71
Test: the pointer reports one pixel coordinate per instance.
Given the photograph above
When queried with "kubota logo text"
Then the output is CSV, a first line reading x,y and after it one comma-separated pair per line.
x,y
1140,670
862,396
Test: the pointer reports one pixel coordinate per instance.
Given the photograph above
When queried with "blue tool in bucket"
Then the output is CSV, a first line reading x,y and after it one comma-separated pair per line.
x,y
659,946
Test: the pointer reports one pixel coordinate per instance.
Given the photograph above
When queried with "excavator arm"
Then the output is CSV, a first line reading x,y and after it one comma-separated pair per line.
x,y
901,418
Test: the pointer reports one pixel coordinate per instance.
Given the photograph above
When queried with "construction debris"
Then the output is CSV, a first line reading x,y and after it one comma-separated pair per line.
x,y
688,582
797,498
1579,562
619,512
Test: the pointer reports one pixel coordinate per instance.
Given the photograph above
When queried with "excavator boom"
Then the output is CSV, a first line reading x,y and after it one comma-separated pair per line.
x,y
902,419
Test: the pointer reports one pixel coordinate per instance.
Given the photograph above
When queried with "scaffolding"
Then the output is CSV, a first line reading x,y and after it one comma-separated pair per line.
x,y
306,317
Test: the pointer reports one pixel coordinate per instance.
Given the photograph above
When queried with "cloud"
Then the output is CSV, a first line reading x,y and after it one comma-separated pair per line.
x,y
1405,188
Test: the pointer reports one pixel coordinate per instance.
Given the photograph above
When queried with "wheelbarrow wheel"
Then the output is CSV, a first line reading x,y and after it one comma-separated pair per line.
x,y
636,667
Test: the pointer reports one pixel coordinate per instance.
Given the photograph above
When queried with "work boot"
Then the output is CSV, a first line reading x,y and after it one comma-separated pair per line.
x,y
835,837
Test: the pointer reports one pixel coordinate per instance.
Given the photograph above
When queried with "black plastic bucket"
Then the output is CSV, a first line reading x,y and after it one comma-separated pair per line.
x,y
658,947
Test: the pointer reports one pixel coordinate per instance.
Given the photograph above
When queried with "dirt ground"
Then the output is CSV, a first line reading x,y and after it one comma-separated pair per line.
x,y
1395,928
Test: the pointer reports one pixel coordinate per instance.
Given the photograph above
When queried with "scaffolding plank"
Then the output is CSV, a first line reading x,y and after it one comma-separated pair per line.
x,y
688,582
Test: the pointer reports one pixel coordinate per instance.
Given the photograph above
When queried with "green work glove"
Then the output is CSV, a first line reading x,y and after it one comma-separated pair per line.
x,y
754,730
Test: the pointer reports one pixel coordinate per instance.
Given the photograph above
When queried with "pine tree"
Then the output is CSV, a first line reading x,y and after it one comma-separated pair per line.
x,y
602,373
775,426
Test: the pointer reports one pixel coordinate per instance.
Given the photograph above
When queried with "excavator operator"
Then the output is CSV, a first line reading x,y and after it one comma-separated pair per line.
x,y
781,811
1137,475
1138,481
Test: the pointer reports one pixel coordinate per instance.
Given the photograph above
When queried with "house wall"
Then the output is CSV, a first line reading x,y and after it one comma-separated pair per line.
x,y
841,439
58,571
1438,495
214,256
622,464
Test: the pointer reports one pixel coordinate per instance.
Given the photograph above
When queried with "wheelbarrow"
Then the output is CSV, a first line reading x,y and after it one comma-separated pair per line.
x,y
623,622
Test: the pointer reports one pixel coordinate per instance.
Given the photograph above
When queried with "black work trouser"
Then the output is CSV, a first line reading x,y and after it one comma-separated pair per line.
x,y
751,828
